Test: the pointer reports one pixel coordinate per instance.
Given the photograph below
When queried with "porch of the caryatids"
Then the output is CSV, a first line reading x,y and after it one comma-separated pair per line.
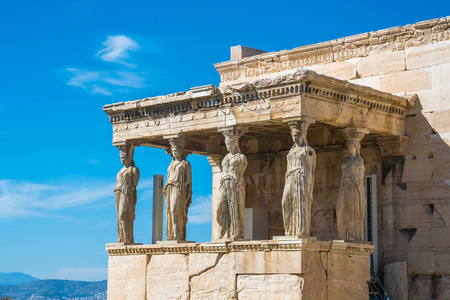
x,y
177,190
299,181
125,194
351,202
230,212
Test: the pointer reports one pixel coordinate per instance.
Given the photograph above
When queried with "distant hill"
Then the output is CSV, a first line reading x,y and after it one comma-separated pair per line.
x,y
52,289
16,278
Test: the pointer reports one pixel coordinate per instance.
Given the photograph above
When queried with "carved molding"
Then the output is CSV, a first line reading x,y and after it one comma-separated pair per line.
x,y
225,247
360,45
148,112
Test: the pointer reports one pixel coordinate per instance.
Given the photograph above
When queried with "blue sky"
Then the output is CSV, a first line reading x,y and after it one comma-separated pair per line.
x,y
63,60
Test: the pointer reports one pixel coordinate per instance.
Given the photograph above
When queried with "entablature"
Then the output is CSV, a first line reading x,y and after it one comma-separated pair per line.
x,y
260,104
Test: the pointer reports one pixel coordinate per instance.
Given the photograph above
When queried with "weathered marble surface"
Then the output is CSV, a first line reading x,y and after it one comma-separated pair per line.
x,y
126,195
396,280
127,277
351,202
299,183
270,287
411,59
167,277
288,269
231,201
178,192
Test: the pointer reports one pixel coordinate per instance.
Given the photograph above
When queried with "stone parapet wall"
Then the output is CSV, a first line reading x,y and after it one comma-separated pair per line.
x,y
294,269
392,40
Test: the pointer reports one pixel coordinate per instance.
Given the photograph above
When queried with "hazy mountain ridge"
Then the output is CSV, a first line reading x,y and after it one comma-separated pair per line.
x,y
16,278
52,289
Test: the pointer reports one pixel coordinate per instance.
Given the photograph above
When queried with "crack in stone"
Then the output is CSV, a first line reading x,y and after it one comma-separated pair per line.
x,y
219,256
149,257
440,216
326,275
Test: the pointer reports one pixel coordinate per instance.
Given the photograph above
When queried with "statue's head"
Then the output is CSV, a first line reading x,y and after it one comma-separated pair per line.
x,y
177,148
126,155
353,148
232,141
298,132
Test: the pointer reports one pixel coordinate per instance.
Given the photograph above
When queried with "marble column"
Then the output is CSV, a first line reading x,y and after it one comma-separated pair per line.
x,y
299,181
177,190
352,202
125,192
230,213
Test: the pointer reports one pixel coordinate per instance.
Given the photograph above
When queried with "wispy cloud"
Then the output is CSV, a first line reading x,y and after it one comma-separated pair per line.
x,y
25,199
110,82
200,211
104,83
117,47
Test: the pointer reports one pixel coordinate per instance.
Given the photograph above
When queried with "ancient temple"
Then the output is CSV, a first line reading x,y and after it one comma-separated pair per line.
x,y
320,139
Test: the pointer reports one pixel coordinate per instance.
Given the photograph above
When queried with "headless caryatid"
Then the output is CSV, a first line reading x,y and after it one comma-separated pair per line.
x,y
126,197
231,200
299,183
351,203
178,192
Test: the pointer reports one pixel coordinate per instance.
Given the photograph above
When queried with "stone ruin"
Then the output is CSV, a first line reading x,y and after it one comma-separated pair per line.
x,y
342,147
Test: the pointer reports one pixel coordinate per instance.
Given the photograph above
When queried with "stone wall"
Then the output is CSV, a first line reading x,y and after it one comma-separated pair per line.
x,y
296,269
413,203
414,214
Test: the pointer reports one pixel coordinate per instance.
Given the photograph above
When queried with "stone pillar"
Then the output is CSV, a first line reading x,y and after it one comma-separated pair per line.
x,y
125,193
230,210
214,161
351,203
299,181
178,190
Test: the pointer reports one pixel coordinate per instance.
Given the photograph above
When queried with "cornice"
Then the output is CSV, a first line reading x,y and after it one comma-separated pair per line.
x,y
360,45
295,83
242,246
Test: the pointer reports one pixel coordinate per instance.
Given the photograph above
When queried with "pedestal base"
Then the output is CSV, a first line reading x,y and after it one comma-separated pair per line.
x,y
173,242
292,268
121,244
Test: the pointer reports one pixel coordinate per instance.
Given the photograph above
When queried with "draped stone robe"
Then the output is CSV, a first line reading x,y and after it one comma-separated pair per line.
x,y
298,190
178,192
231,202
351,203
126,197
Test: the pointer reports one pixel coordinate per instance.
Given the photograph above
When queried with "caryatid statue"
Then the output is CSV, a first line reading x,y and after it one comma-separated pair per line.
x,y
231,199
299,182
126,197
178,191
351,202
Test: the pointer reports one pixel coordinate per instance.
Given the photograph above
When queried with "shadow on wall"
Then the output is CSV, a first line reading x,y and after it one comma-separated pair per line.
x,y
414,210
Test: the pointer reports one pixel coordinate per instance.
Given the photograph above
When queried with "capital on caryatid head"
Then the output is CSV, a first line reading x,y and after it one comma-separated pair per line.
x,y
177,142
299,128
232,135
353,136
126,154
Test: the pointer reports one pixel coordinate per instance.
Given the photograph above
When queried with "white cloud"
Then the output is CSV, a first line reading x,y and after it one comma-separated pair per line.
x,y
117,47
96,82
84,274
200,211
110,82
25,199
